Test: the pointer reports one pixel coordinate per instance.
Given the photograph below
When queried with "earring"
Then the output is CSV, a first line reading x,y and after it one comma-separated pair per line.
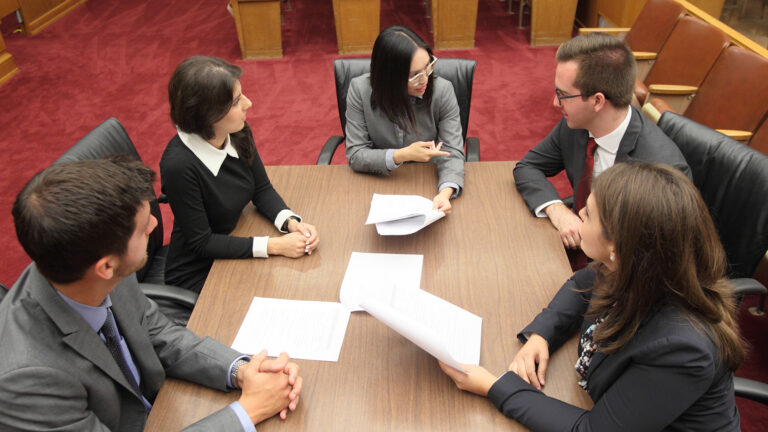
x,y
612,257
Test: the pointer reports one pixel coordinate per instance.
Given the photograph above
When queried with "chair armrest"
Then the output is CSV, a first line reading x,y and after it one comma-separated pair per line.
x,y
672,89
162,198
611,30
743,286
644,55
751,389
738,135
329,148
473,149
169,292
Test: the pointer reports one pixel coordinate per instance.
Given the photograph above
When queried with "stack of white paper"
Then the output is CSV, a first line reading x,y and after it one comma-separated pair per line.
x,y
309,330
401,214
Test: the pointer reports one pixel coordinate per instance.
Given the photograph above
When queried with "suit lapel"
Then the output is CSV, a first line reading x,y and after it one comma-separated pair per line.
x,y
75,331
629,140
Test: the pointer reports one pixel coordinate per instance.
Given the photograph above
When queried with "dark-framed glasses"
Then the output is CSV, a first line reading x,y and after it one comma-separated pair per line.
x,y
562,96
422,76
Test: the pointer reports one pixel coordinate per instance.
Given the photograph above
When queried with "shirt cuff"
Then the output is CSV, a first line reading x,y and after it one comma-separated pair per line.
x,y
539,212
245,419
456,188
260,247
230,384
282,216
390,158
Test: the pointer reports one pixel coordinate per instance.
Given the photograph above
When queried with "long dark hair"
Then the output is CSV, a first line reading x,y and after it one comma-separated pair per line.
x,y
668,252
390,67
200,94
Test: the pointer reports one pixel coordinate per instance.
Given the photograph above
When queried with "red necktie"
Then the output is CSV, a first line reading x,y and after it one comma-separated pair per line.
x,y
585,181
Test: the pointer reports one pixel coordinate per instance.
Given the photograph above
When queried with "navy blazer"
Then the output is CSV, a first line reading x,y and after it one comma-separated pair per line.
x,y
667,377
565,149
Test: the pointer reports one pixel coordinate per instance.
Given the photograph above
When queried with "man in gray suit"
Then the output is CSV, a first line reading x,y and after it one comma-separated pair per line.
x,y
594,84
83,348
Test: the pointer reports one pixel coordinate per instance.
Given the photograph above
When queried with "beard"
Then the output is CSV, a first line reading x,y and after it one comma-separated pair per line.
x,y
127,268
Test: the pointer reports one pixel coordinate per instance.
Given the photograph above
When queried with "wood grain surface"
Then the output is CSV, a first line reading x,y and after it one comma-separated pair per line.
x,y
489,256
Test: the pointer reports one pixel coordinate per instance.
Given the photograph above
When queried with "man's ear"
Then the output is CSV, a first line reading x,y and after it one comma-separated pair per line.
x,y
600,101
105,267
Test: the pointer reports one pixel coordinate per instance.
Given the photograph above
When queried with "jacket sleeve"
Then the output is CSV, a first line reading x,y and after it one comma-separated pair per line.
x,y
266,199
563,316
362,154
531,172
448,121
660,383
185,196
223,420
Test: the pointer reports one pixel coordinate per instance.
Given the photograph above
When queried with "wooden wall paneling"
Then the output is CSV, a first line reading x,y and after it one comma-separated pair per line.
x,y
552,21
620,13
39,14
586,13
454,23
258,28
8,6
357,25
7,64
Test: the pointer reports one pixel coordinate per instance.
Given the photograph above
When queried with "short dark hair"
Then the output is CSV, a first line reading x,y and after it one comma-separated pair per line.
x,y
74,213
200,94
390,66
606,65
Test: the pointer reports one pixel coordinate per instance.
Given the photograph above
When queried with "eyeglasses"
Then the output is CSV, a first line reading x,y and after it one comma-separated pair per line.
x,y
422,76
561,97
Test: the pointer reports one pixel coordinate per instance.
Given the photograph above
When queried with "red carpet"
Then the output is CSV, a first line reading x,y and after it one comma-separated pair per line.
x,y
114,58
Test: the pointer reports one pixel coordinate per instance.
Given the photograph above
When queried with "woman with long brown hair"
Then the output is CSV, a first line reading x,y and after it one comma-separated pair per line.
x,y
659,342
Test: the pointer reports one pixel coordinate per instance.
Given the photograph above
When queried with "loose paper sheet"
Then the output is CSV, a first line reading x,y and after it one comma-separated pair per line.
x,y
309,330
401,214
372,275
444,330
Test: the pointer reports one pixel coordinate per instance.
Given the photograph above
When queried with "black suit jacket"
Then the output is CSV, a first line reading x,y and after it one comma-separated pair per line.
x,y
668,377
565,149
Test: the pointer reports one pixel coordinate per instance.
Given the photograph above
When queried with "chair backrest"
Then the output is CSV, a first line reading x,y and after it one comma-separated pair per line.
x,y
734,95
653,25
733,180
110,138
689,53
460,72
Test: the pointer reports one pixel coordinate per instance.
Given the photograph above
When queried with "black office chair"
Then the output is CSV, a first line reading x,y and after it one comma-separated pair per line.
x,y
460,72
3,292
733,180
110,138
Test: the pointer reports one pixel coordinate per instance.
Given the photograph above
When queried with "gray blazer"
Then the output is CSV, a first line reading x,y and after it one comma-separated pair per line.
x,y
56,373
565,149
369,133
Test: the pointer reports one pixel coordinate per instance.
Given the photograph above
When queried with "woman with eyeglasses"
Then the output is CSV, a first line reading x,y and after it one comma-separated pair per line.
x,y
402,112
658,337
211,169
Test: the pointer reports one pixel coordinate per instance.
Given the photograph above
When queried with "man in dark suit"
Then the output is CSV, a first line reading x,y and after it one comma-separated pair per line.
x,y
83,348
594,84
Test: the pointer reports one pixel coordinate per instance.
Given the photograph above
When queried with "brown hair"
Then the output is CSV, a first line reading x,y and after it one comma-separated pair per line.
x,y
668,252
200,94
606,65
74,213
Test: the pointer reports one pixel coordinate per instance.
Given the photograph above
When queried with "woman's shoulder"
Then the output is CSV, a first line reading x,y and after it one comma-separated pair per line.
x,y
361,83
176,156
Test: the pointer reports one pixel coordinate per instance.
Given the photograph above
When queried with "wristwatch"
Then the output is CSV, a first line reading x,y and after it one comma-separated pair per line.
x,y
233,372
287,220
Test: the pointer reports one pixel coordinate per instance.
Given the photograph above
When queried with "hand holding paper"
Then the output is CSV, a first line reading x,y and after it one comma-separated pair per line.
x,y
401,214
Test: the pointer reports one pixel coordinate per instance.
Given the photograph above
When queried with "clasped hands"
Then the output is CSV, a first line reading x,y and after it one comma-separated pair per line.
x,y
530,364
269,386
301,239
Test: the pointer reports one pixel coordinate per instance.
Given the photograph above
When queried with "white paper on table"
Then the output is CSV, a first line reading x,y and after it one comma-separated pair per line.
x,y
444,330
401,214
372,275
309,330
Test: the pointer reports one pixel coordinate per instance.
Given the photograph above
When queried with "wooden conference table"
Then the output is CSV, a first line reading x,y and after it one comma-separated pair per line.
x,y
489,256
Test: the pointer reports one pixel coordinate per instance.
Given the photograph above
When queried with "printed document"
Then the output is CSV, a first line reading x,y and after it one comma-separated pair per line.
x,y
401,214
309,330
373,275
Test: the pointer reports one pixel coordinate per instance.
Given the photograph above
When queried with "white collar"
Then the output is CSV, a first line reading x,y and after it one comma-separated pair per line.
x,y
611,141
209,155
